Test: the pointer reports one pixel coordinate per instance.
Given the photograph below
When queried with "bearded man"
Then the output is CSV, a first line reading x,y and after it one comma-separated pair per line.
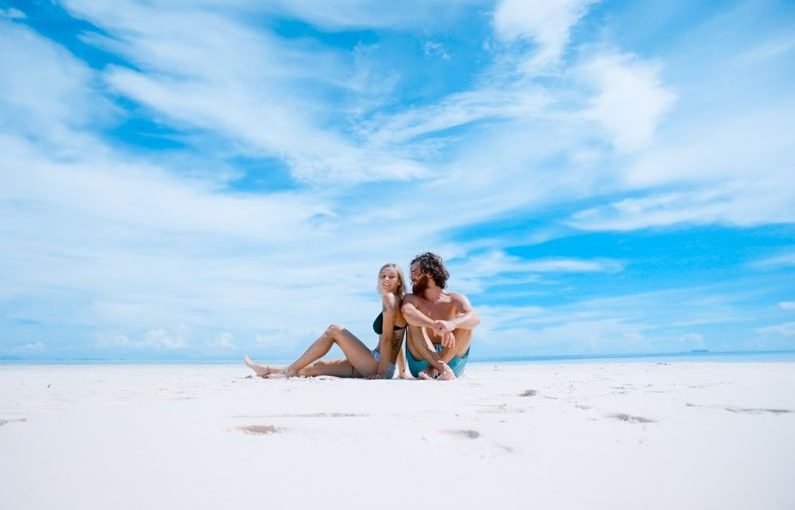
x,y
440,322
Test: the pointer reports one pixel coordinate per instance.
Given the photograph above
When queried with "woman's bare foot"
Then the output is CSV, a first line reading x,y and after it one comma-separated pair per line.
x,y
261,370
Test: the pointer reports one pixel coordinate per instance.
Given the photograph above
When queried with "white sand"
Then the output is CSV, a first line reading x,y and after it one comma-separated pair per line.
x,y
719,436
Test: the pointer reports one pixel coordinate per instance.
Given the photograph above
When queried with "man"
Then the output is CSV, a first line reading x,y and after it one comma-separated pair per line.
x,y
440,322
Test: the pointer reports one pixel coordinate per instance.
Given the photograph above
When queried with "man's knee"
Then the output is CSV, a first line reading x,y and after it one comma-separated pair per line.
x,y
463,339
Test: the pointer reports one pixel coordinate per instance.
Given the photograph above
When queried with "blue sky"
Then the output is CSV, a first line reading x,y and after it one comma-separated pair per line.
x,y
195,180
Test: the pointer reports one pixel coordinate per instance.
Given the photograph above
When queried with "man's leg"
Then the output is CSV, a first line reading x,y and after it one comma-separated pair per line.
x,y
457,356
421,354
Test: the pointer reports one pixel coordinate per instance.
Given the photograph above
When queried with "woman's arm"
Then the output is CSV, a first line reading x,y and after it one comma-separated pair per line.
x,y
389,310
403,369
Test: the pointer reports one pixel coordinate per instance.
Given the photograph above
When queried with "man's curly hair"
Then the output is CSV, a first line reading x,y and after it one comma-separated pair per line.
x,y
433,265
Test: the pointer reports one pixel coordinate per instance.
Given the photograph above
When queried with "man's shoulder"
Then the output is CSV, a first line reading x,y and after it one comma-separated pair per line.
x,y
411,298
457,297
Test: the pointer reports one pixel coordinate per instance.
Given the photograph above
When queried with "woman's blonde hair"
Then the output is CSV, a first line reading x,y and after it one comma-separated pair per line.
x,y
400,292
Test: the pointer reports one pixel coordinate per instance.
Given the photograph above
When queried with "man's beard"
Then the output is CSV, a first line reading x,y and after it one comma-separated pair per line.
x,y
420,285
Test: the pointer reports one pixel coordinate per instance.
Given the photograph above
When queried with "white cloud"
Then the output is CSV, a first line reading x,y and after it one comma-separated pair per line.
x,y
435,49
113,340
453,111
692,341
547,22
770,49
156,339
734,203
225,340
753,147
631,100
50,94
786,305
353,14
12,13
34,347
785,329
656,210
572,337
243,84
474,273
161,339
775,261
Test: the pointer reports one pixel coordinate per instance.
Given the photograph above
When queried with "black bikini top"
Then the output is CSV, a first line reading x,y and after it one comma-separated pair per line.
x,y
378,324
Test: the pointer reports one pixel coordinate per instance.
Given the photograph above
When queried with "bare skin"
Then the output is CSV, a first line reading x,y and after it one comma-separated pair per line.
x,y
359,360
437,316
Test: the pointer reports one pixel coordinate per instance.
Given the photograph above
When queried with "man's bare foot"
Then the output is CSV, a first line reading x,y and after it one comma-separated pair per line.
x,y
446,374
260,370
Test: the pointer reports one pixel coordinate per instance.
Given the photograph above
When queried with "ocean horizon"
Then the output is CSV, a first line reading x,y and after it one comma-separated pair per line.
x,y
693,355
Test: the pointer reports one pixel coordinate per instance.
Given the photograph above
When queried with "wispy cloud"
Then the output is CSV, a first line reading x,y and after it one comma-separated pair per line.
x,y
631,99
785,329
12,13
547,23
775,261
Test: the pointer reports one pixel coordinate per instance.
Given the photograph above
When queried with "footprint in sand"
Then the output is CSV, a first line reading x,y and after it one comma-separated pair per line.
x,y
259,430
747,410
11,420
466,433
631,419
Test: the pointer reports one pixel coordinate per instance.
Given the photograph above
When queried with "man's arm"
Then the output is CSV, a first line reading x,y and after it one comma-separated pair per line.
x,y
416,318
413,316
466,318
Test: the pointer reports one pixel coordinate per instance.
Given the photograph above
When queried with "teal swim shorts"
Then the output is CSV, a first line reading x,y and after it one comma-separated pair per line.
x,y
457,364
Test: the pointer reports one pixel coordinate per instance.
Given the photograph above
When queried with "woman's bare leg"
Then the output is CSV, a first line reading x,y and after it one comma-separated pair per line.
x,y
261,370
354,349
336,368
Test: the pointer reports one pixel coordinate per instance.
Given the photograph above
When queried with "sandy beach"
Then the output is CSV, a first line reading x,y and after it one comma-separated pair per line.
x,y
610,435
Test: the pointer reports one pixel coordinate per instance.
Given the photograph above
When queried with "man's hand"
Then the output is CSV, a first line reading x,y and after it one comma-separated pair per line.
x,y
441,327
444,330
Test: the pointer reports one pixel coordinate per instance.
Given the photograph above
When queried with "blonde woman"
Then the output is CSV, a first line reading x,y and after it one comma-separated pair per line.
x,y
359,360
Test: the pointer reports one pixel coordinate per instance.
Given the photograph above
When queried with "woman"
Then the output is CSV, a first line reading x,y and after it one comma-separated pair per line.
x,y
360,361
